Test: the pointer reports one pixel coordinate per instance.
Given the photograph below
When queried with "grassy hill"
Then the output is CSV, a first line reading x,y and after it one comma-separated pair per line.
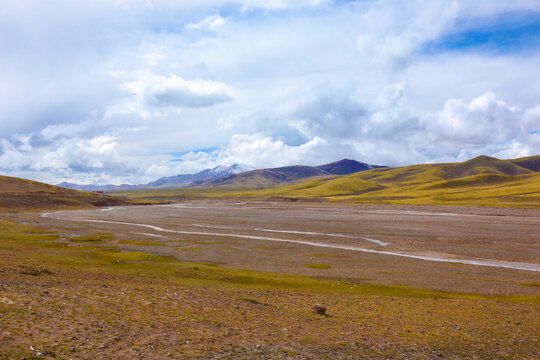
x,y
18,195
482,181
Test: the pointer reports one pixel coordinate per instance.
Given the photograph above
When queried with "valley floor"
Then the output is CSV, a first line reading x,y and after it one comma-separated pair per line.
x,y
238,280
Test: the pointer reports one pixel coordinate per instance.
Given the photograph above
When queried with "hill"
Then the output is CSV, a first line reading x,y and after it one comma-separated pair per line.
x,y
479,181
482,181
26,195
531,163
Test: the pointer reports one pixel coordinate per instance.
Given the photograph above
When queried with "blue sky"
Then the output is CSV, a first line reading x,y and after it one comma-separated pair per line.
x,y
504,34
113,91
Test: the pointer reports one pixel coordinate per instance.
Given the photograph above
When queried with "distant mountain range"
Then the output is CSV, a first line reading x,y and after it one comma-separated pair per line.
x,y
184,180
482,181
238,175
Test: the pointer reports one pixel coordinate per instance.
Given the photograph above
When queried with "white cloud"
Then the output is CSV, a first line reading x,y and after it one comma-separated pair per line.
x,y
211,23
174,91
52,132
483,120
112,90
84,154
332,121
514,150
259,151
12,158
283,4
531,119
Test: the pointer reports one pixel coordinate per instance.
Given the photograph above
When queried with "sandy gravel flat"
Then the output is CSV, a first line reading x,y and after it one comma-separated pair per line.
x,y
482,250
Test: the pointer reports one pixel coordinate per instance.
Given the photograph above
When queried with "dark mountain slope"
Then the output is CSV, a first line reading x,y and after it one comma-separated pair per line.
x,y
531,162
206,175
346,166
267,177
288,174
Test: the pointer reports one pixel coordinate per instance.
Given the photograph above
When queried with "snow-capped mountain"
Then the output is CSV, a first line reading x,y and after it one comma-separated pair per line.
x,y
205,175
181,180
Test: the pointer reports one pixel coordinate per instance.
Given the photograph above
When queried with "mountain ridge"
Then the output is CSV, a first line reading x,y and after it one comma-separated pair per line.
x,y
237,174
482,181
261,178
165,182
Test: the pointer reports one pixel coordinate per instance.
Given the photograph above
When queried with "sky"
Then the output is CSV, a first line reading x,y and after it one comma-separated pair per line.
x,y
120,91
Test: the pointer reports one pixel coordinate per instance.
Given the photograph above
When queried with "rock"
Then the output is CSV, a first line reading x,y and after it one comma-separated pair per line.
x,y
319,309
6,301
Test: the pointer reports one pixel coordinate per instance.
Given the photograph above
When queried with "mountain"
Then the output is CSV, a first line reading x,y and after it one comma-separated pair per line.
x,y
346,166
26,195
282,175
238,175
266,177
482,181
202,176
80,187
181,180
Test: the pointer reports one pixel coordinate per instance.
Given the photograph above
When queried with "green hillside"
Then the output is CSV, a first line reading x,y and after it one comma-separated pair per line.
x,y
482,181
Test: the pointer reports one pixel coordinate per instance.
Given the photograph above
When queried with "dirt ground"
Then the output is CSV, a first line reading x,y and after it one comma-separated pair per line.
x,y
207,232
239,281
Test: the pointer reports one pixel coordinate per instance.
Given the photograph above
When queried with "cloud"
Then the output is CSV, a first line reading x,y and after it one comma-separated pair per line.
x,y
331,113
331,120
86,160
531,120
274,82
211,23
85,155
259,151
174,91
12,158
483,120
283,4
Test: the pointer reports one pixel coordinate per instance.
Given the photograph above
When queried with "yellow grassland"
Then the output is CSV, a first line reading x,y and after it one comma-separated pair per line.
x,y
482,181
